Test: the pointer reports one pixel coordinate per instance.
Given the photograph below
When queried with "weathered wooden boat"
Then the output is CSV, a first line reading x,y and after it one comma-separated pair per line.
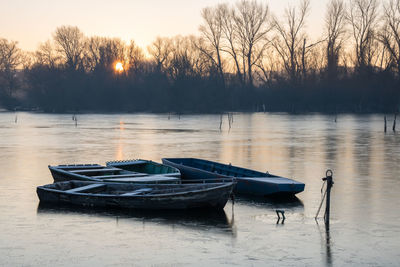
x,y
139,171
137,196
249,182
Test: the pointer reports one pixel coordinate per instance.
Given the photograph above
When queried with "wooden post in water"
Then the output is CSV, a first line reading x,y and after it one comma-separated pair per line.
x,y
394,122
385,125
329,184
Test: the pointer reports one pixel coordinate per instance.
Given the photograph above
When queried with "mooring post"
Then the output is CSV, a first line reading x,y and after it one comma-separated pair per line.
x,y
384,129
329,184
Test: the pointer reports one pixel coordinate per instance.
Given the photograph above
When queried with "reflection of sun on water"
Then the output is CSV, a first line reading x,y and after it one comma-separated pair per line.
x,y
120,153
119,67
121,125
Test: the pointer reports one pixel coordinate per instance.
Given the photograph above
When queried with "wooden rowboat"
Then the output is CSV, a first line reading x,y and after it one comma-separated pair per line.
x,y
249,182
137,196
139,171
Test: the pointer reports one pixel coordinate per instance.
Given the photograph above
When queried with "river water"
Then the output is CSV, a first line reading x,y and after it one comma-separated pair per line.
x,y
365,211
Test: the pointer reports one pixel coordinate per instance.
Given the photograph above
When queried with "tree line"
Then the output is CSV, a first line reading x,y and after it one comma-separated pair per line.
x,y
245,57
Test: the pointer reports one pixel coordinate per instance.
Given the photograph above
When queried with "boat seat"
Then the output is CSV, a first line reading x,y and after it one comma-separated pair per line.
x,y
134,174
78,166
106,169
86,188
137,192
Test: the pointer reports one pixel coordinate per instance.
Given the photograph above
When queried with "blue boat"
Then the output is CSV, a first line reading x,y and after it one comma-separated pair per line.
x,y
249,182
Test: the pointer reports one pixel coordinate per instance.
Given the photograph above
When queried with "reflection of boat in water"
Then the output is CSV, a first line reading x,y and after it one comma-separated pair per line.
x,y
249,182
199,219
132,171
137,196
291,203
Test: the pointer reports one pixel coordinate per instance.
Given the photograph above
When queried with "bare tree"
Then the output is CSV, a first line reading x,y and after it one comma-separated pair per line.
x,y
335,21
102,53
135,58
230,36
10,59
290,41
267,66
160,50
69,41
253,25
212,34
206,59
112,51
92,56
179,65
362,16
46,55
202,65
389,36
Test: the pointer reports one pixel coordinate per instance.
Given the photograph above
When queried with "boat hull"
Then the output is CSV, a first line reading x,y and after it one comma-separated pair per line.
x,y
196,196
256,183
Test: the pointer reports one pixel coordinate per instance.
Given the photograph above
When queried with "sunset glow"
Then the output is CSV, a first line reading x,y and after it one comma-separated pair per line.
x,y
119,67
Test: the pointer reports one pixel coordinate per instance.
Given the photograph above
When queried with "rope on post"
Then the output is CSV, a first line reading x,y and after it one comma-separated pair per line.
x,y
327,194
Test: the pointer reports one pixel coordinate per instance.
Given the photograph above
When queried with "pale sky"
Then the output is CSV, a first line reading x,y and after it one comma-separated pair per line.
x,y
31,22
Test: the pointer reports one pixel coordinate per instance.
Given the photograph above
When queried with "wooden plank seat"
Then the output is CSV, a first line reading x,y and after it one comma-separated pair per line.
x,y
79,166
86,188
138,192
133,174
144,179
104,169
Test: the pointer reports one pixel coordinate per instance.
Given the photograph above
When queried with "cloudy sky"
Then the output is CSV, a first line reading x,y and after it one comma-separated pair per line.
x,y
32,22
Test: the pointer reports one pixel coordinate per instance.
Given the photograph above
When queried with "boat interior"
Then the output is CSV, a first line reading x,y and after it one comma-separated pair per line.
x,y
135,171
223,169
142,166
126,189
99,172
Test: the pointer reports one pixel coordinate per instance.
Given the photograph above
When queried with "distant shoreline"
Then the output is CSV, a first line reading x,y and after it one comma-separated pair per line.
x,y
174,113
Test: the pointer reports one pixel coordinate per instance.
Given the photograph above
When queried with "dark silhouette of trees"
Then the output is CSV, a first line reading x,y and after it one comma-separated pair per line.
x,y
253,24
135,58
10,58
335,20
160,50
362,17
290,40
244,58
212,35
92,56
68,40
47,56
390,33
230,34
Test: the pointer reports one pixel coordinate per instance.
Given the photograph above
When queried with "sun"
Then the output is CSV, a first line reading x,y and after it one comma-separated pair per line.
x,y
119,67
